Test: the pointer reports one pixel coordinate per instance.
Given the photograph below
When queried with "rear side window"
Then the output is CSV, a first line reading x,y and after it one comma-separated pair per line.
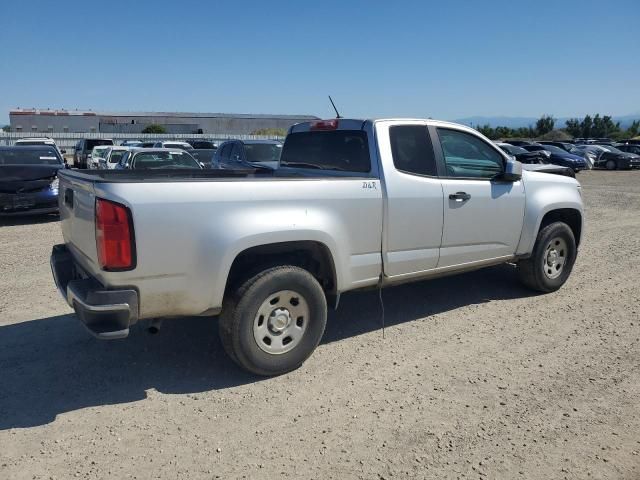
x,y
412,149
345,150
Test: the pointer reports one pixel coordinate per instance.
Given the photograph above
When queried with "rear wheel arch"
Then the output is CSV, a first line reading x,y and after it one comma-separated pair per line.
x,y
313,256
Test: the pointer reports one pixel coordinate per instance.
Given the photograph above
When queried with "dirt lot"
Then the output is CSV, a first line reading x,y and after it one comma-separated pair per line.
x,y
475,377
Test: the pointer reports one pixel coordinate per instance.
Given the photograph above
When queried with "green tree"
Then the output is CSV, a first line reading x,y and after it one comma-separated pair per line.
x,y
545,124
573,127
154,128
6,128
633,130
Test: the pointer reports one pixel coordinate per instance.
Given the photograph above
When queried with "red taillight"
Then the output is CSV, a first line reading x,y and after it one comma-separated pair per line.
x,y
325,124
114,236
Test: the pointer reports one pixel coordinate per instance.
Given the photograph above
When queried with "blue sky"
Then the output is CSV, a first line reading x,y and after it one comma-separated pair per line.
x,y
403,58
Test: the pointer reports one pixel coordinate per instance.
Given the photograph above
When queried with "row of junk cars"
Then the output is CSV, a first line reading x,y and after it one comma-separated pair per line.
x,y
29,183
579,154
29,169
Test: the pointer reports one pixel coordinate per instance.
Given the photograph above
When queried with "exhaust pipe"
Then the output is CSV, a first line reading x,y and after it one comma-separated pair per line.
x,y
154,326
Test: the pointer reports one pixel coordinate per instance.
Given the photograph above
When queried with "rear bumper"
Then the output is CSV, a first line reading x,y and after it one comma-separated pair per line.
x,y
28,203
106,313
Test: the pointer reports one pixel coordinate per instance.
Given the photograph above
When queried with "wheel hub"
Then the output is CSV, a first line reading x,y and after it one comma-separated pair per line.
x,y
279,320
554,258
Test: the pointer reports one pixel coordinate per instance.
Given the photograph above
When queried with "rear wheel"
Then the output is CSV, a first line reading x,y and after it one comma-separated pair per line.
x,y
552,259
611,165
274,321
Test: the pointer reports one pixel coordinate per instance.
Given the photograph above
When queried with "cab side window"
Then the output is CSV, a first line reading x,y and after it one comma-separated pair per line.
x,y
412,150
468,156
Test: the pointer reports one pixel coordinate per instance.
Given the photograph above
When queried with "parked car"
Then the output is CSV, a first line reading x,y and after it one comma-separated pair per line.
x,y
83,150
97,154
156,158
518,143
131,143
22,142
628,147
173,144
566,146
355,204
112,157
148,144
558,156
200,144
607,157
522,155
240,154
203,151
28,179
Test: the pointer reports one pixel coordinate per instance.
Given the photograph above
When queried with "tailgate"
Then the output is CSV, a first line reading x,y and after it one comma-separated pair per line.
x,y
77,218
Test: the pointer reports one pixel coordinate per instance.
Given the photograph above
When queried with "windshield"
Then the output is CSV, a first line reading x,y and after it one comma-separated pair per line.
x,y
513,150
333,150
611,149
146,160
554,149
181,146
262,152
31,156
99,152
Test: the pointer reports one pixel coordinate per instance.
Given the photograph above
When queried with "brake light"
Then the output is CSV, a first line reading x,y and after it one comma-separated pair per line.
x,y
325,125
114,236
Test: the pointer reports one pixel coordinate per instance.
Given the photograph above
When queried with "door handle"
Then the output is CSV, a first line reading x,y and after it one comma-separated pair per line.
x,y
459,196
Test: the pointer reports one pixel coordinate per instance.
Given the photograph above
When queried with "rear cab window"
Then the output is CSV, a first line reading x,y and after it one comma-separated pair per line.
x,y
337,150
412,150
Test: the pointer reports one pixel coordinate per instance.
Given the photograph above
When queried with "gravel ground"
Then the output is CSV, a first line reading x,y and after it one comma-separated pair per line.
x,y
475,377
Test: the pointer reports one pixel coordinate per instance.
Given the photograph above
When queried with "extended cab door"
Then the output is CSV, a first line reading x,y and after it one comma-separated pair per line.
x,y
482,217
414,202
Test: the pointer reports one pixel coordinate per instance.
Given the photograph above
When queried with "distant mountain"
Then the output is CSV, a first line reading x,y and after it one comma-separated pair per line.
x,y
517,122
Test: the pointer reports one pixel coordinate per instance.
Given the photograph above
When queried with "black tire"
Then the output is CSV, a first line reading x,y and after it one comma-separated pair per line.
x,y
532,270
611,165
240,311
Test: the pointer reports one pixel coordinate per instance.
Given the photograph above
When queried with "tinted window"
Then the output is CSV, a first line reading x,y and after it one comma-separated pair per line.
x,y
465,155
30,156
236,152
262,152
116,156
164,160
334,150
89,144
412,150
226,150
202,144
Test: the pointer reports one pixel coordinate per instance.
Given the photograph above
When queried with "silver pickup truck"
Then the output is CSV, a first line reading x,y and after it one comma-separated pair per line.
x,y
355,204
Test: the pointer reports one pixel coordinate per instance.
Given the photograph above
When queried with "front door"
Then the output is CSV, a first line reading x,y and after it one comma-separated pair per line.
x,y
482,217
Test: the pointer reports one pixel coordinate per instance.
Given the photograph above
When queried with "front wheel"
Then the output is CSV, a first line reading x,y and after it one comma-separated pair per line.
x,y
611,165
274,321
552,259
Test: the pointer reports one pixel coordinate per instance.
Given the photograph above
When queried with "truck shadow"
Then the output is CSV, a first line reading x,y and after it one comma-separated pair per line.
x,y
51,365
13,221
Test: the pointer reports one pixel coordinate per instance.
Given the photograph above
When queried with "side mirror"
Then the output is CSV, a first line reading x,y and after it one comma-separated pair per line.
x,y
201,164
512,171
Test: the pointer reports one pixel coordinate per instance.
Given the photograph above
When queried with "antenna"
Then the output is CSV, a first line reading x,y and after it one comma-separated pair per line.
x,y
334,107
